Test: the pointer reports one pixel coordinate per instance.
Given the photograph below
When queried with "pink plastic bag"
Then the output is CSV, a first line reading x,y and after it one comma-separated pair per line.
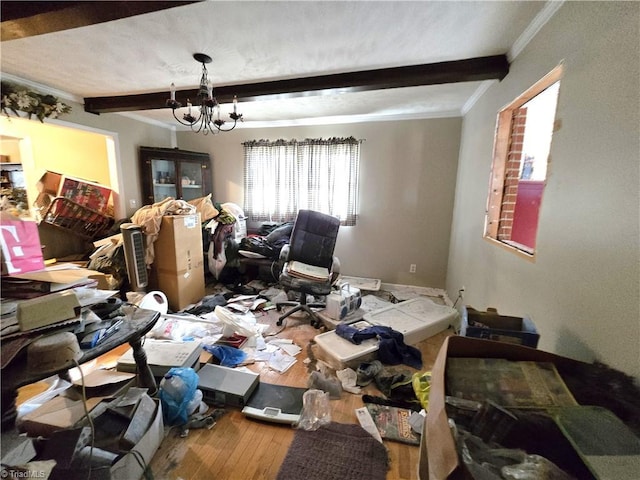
x,y
21,249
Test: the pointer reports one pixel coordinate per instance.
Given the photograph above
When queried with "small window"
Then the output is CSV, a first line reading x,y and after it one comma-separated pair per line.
x,y
281,177
519,171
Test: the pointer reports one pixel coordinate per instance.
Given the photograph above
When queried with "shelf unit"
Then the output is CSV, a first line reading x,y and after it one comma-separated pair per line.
x,y
12,175
170,172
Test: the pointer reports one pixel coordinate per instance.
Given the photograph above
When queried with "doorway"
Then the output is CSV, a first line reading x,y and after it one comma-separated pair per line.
x,y
64,148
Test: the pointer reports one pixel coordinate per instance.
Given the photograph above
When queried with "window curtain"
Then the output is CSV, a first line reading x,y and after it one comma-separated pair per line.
x,y
282,177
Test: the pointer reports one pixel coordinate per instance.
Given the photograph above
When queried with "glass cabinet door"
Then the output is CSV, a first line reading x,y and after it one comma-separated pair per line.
x,y
191,180
172,173
164,179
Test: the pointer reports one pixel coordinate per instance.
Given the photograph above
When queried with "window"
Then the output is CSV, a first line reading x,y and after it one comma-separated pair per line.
x,y
519,171
282,177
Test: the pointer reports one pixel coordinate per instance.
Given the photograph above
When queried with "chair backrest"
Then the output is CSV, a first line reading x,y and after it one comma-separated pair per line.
x,y
313,238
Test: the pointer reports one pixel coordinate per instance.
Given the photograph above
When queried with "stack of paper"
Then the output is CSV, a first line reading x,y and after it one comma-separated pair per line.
x,y
281,361
310,272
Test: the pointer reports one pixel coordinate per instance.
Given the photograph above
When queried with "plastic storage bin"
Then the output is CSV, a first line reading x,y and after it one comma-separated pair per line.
x,y
417,319
340,353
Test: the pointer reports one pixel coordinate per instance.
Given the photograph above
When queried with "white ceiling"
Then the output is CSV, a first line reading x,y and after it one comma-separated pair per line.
x,y
267,40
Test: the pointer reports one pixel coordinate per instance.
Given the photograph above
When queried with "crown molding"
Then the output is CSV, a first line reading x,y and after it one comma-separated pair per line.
x,y
41,88
540,20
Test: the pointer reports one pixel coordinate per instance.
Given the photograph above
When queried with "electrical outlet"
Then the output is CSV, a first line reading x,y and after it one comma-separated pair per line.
x,y
412,268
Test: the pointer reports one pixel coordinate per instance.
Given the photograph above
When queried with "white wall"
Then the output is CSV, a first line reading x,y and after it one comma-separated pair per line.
x,y
583,290
408,172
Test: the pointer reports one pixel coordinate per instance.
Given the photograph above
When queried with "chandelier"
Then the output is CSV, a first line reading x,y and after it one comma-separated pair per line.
x,y
208,118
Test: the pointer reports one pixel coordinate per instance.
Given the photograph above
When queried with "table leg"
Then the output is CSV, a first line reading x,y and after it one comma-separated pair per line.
x,y
145,377
9,409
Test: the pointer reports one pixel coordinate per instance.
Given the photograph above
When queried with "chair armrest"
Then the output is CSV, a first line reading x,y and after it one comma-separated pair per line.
x,y
284,254
335,270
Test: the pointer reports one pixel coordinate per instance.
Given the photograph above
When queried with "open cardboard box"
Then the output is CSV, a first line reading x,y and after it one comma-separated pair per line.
x,y
84,192
438,455
144,433
65,410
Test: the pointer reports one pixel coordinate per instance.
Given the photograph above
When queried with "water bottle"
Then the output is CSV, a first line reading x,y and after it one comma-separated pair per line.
x,y
174,387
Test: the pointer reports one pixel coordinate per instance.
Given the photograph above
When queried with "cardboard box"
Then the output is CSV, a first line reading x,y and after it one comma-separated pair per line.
x,y
438,455
83,192
239,229
58,413
88,194
178,247
47,310
130,462
502,328
184,289
49,183
178,267
64,411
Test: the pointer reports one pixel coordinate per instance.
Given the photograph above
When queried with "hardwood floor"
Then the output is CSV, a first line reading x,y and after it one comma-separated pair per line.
x,y
241,448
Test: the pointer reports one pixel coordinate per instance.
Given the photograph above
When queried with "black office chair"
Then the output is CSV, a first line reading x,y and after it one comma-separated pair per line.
x,y
309,266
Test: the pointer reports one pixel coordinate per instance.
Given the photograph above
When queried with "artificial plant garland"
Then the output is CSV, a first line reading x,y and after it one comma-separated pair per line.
x,y
17,98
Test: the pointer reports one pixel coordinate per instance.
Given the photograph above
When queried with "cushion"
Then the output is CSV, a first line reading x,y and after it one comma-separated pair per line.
x,y
205,207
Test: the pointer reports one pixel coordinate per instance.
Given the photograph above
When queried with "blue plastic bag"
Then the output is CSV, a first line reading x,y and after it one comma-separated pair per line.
x,y
228,356
177,389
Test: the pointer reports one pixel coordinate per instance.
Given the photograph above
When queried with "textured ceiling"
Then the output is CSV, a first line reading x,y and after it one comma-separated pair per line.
x,y
261,41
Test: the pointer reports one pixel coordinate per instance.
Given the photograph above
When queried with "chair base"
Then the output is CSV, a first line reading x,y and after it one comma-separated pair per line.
x,y
298,306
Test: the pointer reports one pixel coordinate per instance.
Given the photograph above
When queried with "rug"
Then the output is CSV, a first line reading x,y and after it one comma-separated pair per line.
x,y
335,451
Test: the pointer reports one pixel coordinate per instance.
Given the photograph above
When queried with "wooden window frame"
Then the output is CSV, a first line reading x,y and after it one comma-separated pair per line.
x,y
501,148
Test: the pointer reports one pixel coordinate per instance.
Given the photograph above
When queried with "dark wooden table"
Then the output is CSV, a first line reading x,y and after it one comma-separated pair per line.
x,y
137,323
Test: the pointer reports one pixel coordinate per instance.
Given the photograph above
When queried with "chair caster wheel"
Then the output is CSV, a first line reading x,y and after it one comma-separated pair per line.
x,y
279,323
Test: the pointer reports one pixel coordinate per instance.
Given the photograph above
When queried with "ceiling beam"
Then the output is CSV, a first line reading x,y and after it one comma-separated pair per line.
x,y
26,19
470,70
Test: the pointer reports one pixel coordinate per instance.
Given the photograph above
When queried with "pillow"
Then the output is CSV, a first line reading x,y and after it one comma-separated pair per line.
x,y
205,207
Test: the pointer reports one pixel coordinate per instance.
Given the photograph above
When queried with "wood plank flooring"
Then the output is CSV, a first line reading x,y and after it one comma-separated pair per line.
x,y
239,448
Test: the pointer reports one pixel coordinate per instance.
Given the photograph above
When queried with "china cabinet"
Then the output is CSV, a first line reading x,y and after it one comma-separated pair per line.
x,y
170,172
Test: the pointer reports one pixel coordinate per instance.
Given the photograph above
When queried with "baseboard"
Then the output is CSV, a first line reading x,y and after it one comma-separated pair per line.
x,y
414,289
